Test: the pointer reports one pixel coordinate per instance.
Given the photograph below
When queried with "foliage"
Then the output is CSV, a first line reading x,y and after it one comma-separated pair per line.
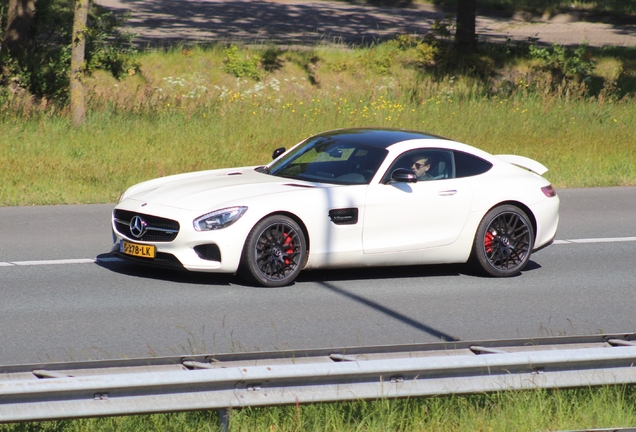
x,y
404,50
108,48
44,70
242,67
434,57
563,62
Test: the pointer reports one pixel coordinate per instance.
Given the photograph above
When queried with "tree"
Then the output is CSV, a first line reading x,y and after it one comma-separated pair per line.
x,y
465,35
42,37
20,30
78,107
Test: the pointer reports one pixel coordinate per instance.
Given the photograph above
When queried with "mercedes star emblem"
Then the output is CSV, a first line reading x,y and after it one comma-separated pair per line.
x,y
138,226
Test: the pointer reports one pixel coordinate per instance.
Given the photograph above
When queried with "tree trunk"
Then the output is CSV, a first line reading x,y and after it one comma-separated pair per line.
x,y
18,36
465,36
78,104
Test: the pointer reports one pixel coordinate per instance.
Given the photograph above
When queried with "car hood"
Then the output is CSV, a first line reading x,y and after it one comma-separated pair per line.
x,y
204,190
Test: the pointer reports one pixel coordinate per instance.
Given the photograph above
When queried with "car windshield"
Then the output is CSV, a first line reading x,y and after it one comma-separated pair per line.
x,y
329,159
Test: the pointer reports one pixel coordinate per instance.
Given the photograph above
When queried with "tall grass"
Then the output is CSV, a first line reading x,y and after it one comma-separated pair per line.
x,y
182,112
541,410
44,161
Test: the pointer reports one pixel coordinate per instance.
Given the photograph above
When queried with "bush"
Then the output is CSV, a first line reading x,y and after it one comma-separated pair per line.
x,y
564,63
248,67
403,50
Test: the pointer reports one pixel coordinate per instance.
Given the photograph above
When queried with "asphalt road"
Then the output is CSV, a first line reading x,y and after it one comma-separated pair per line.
x,y
59,305
303,22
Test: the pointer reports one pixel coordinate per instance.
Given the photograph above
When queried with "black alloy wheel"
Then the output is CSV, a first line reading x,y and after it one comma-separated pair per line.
x,y
504,241
274,253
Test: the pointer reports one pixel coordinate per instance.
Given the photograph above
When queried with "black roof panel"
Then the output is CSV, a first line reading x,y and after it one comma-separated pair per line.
x,y
381,138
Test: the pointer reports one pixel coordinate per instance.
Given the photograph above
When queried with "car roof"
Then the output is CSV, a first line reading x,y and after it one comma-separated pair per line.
x,y
375,137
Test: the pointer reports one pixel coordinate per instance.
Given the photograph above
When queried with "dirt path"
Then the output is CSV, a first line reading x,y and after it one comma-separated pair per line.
x,y
165,22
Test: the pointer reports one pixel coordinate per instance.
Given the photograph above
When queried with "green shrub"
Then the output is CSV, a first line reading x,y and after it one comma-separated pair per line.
x,y
404,50
564,63
248,67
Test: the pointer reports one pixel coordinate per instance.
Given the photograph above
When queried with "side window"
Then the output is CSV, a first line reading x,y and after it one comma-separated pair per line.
x,y
467,165
427,164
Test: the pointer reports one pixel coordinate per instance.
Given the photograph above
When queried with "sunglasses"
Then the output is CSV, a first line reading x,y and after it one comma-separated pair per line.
x,y
418,165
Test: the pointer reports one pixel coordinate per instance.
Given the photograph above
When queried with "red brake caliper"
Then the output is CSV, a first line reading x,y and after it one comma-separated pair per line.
x,y
289,247
488,241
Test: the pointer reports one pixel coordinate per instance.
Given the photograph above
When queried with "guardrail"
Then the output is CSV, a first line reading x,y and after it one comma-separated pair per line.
x,y
167,384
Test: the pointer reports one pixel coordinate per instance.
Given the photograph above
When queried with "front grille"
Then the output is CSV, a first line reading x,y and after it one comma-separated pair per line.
x,y
157,229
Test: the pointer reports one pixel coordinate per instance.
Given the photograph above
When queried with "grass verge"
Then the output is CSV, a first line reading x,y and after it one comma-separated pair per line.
x,y
44,161
186,110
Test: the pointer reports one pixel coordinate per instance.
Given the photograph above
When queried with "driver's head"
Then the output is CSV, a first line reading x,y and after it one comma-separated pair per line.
x,y
420,166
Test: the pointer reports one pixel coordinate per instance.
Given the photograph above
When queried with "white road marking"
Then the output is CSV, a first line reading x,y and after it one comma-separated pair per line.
x,y
54,262
59,262
115,259
596,240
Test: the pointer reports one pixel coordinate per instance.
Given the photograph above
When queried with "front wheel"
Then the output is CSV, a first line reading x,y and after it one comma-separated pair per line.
x,y
504,241
274,253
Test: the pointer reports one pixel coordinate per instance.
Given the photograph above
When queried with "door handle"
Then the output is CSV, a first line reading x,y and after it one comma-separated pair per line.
x,y
447,192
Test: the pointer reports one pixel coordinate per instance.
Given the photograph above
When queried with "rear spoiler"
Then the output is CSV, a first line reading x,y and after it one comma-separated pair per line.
x,y
524,162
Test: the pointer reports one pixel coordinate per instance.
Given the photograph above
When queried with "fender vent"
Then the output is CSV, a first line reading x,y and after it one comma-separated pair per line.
x,y
346,216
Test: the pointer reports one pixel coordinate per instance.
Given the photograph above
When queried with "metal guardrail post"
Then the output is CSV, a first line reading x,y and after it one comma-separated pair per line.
x,y
224,420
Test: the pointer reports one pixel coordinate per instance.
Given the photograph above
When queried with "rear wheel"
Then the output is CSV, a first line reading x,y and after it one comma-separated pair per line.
x,y
504,241
274,253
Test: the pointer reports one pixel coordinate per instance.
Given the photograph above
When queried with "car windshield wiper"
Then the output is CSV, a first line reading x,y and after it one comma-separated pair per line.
x,y
262,169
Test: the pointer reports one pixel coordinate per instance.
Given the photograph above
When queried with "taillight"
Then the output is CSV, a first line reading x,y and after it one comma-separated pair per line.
x,y
548,191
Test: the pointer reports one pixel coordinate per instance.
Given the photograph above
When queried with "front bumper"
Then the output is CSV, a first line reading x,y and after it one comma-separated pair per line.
x,y
217,251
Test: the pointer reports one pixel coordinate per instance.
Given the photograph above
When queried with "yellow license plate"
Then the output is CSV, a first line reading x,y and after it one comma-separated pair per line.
x,y
138,250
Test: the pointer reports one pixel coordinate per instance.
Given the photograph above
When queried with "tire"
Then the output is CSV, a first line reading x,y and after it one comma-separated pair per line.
x,y
274,253
503,242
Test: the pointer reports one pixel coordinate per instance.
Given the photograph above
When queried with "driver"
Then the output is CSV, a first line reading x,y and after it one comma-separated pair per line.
x,y
420,167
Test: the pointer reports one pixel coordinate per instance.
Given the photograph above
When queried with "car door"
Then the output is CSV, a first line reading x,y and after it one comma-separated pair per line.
x,y
402,216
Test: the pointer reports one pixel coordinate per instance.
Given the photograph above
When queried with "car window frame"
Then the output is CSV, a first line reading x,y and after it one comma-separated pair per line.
x,y
278,168
474,157
450,155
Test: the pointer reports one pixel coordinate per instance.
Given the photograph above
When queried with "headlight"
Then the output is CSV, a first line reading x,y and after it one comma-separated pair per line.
x,y
219,219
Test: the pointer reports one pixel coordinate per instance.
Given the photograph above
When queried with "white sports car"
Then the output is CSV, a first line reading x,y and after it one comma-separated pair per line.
x,y
344,198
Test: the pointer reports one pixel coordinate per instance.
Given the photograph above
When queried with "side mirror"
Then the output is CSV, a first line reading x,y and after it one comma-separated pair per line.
x,y
279,151
403,175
